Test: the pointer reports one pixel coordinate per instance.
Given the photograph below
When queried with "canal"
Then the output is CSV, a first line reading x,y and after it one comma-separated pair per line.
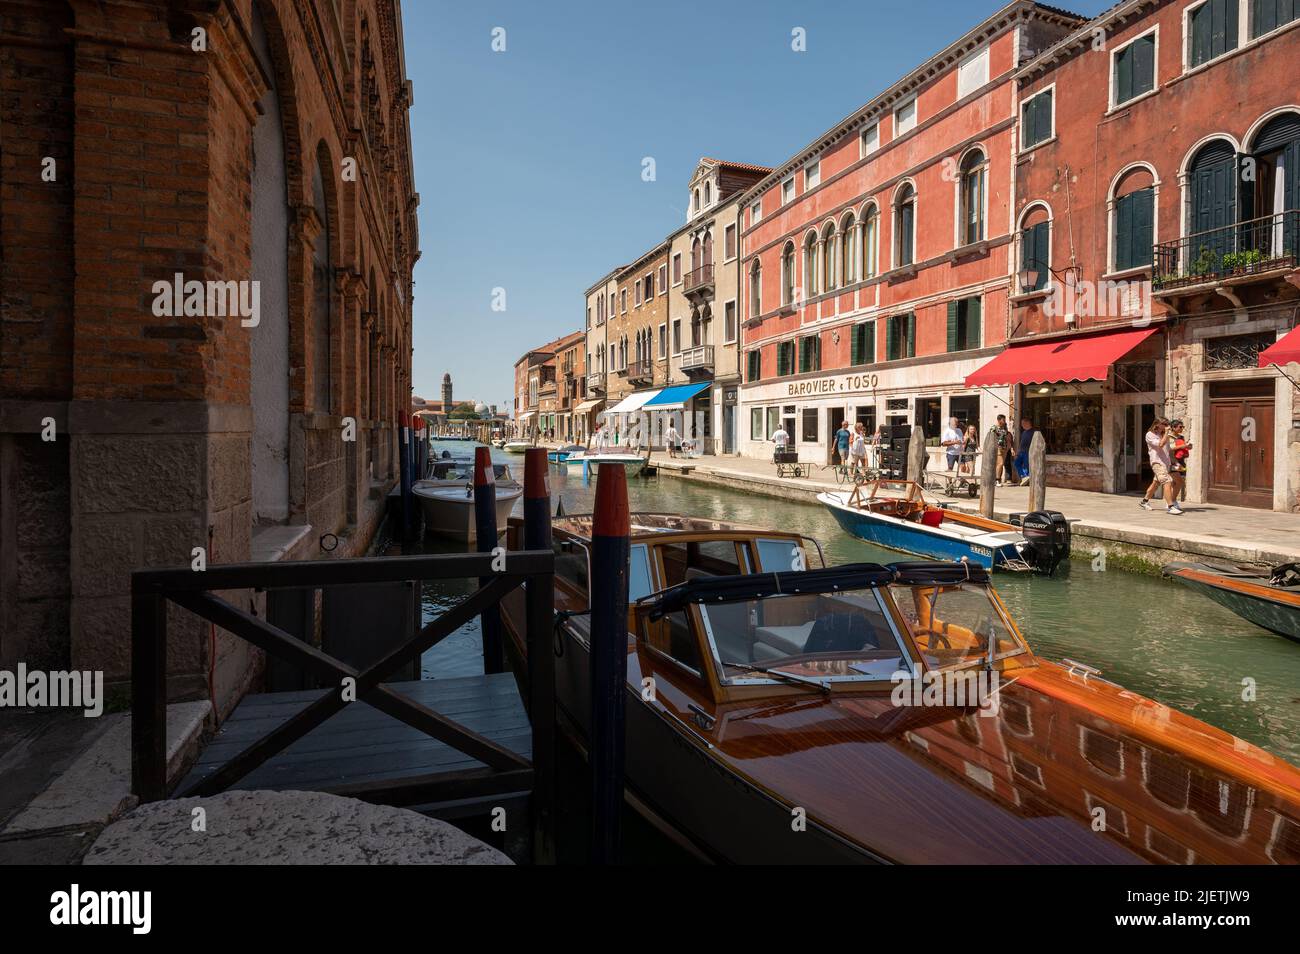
x,y
1149,635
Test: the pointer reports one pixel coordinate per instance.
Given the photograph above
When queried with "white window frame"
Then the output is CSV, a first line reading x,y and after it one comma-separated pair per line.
x,y
755,212
734,302
898,130
787,185
959,223
677,269
734,229
663,340
863,149
1155,73
1111,223
980,54
1020,119
812,170
663,279
1050,286
675,338
1243,35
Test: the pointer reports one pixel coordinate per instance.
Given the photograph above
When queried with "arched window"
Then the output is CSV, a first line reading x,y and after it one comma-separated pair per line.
x,y
870,240
1132,208
971,214
1276,186
708,193
787,274
708,248
809,266
829,258
755,289
849,257
904,226
696,202
1035,247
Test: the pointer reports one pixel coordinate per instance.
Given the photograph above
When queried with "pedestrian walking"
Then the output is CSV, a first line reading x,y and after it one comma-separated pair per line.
x,y
842,439
1180,449
673,439
1157,441
1004,467
970,447
1027,432
952,441
858,448
780,438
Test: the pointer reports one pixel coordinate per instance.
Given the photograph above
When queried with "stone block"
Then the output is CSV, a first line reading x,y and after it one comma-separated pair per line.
x,y
229,470
128,474
42,573
106,551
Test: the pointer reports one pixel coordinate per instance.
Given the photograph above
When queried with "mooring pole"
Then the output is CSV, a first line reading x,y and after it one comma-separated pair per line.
x,y
485,535
540,608
988,473
916,455
404,470
1037,472
610,546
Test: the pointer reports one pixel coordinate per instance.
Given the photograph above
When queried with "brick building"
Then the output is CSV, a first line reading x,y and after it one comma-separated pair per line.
x,y
1160,143
878,258
150,145
634,332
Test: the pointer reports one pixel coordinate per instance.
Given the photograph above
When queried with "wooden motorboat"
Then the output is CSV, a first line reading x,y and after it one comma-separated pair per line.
x,y
448,506
560,455
516,447
591,463
1268,598
774,731
896,514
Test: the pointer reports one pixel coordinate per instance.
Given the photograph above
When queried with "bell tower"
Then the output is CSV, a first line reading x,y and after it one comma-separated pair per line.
x,y
446,392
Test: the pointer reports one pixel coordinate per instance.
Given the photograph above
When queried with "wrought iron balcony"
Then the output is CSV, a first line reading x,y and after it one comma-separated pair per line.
x,y
1235,251
698,359
698,281
642,370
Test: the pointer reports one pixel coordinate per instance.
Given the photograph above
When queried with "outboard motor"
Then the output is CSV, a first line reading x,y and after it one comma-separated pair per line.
x,y
1047,536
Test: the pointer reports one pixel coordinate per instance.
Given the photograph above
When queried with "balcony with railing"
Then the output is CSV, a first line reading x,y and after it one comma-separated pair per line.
x,y
596,381
699,281
643,370
697,359
1231,255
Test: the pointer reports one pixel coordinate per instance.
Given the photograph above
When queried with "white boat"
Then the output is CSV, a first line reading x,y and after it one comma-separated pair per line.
x,y
516,447
631,463
448,506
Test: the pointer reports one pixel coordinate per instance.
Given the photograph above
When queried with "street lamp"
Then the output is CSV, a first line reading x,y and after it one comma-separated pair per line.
x,y
1028,276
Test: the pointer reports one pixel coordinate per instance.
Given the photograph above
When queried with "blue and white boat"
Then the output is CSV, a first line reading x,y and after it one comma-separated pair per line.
x,y
905,521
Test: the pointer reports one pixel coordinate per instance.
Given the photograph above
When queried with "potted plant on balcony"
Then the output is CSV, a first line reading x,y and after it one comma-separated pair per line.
x,y
1238,263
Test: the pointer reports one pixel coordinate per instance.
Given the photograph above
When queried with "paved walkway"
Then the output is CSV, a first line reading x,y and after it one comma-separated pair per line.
x,y
1112,521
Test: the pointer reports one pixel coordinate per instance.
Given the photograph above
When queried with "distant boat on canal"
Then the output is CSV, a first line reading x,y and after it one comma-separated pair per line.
x,y
447,503
906,521
559,456
1268,598
786,695
631,463
516,447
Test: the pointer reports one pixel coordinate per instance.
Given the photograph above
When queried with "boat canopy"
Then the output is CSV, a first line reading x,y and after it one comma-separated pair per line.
x,y
633,402
751,586
1082,358
1283,351
674,398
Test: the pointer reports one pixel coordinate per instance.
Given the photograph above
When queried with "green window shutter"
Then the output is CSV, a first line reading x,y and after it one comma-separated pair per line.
x,y
1124,232
817,357
855,347
1124,74
911,334
891,339
974,310
1143,227
1144,65
869,343
803,355
953,344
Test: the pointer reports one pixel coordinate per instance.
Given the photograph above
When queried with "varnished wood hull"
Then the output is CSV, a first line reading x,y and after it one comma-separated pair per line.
x,y
1276,611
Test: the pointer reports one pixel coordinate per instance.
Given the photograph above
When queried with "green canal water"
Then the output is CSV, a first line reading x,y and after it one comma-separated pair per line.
x,y
1149,635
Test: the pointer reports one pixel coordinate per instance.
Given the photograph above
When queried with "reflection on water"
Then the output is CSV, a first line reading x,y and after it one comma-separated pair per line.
x,y
1149,635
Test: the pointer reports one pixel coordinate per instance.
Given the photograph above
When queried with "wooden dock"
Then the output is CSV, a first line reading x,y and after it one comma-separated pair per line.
x,y
362,751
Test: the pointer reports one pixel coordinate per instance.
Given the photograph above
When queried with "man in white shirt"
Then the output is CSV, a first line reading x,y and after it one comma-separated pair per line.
x,y
780,438
1157,441
673,440
952,441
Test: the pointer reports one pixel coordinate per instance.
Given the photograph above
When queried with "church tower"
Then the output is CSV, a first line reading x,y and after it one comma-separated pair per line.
x,y
446,392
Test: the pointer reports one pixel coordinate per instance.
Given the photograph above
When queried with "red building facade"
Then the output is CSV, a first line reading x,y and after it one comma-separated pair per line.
x,y
878,260
1158,163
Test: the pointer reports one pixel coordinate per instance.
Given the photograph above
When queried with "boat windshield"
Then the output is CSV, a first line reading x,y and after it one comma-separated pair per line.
x,y
954,624
823,636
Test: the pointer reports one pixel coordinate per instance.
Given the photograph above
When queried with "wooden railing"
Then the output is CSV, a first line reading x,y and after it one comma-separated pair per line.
x,y
506,771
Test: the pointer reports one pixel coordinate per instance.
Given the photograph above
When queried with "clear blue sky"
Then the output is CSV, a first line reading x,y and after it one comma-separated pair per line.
x,y
528,161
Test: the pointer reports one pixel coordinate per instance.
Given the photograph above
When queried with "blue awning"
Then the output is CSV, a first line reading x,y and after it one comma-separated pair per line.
x,y
675,397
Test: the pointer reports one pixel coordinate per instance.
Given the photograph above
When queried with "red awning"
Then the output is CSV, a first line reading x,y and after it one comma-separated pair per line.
x,y
1083,358
1283,351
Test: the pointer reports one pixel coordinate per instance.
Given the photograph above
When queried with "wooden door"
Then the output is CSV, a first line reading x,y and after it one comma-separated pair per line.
x,y
1240,471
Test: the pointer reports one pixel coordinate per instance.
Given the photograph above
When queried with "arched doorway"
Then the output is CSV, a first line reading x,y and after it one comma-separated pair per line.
x,y
269,342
